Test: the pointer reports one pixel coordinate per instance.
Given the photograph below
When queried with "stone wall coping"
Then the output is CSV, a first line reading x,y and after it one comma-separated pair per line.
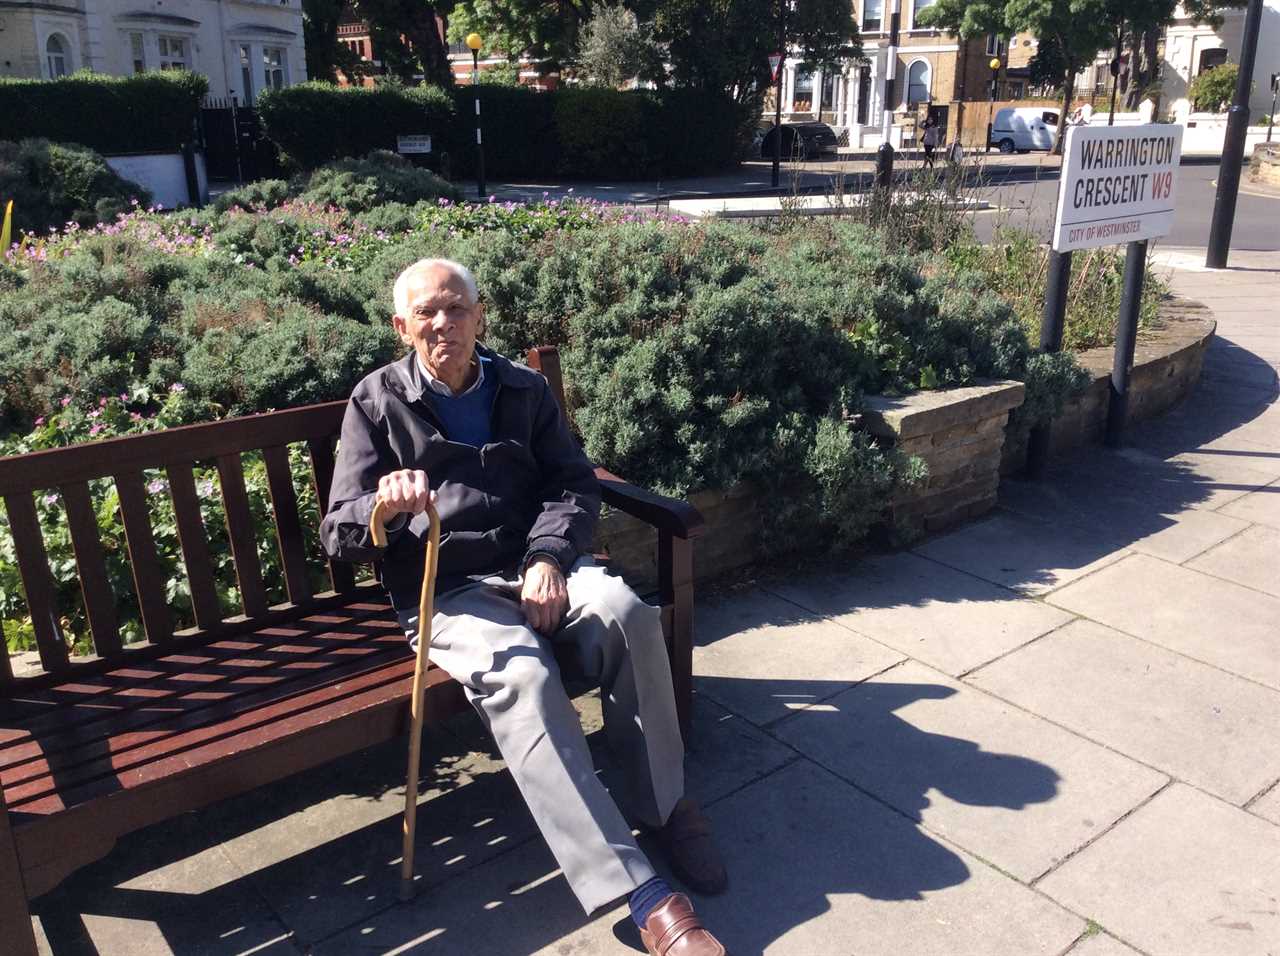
x,y
926,412
1184,324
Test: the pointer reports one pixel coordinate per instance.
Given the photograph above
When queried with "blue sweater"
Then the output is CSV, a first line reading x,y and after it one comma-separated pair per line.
x,y
467,418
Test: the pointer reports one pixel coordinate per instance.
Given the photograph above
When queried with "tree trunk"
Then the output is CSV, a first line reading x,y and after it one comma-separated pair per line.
x,y
1137,79
1068,87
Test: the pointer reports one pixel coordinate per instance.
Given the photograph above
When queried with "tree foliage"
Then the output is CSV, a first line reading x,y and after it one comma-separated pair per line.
x,y
407,38
1212,91
325,55
614,47
545,31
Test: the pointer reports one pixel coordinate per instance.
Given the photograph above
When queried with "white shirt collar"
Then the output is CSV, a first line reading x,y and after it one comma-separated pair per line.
x,y
440,388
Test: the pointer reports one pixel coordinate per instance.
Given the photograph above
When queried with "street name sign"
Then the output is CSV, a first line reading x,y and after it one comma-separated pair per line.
x,y
1117,185
419,143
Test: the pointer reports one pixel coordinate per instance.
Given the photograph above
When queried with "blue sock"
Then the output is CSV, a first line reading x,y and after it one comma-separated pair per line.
x,y
646,896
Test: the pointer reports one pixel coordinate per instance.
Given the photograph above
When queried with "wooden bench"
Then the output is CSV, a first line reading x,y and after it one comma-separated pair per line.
x,y
97,746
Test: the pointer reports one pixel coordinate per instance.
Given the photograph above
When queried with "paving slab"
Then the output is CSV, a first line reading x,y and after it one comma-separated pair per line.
x,y
1259,507
167,889
1267,806
1003,784
1128,519
1251,558
829,870
1020,553
762,657
1184,874
1100,944
1204,617
950,620
1187,719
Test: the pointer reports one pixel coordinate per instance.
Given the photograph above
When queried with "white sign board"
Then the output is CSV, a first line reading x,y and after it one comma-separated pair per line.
x,y
413,144
1117,185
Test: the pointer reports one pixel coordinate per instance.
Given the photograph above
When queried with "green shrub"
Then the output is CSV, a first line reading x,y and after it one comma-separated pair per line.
x,y
521,138
1213,90
315,123
52,184
353,185
154,111
602,129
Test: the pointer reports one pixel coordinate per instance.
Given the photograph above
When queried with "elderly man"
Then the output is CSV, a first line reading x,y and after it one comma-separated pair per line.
x,y
484,439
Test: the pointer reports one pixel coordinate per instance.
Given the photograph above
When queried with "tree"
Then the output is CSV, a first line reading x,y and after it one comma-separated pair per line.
x,y
325,55
544,31
407,37
613,47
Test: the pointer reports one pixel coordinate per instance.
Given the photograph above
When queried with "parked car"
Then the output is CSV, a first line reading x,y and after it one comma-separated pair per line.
x,y
1024,128
800,141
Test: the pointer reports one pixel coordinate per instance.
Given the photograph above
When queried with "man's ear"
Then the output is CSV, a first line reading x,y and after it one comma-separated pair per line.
x,y
398,323
484,322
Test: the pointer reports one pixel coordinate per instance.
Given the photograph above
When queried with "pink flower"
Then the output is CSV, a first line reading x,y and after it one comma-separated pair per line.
x,y
102,402
124,396
95,429
40,420
66,400
135,416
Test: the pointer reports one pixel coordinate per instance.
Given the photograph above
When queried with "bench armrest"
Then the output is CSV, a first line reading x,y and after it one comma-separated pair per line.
x,y
678,518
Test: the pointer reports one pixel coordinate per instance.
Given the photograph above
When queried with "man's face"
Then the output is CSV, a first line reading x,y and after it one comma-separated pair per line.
x,y
442,323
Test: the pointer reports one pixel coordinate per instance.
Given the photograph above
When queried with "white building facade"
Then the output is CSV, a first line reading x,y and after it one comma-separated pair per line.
x,y
242,46
1190,49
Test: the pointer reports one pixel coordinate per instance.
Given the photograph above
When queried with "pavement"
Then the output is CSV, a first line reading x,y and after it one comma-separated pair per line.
x,y
1054,730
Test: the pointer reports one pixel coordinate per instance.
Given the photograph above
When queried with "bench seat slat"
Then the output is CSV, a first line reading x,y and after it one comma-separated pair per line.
x,y
194,541
384,686
284,504
148,579
117,729
37,581
252,706
99,599
66,708
244,545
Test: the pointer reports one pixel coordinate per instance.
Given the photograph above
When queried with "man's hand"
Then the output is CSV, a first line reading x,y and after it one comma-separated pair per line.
x,y
404,491
543,597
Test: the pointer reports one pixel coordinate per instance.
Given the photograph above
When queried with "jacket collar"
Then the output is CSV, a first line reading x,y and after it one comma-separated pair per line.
x,y
405,378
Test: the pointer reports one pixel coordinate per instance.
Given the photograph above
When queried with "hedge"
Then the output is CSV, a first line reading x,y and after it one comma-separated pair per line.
x,y
598,133
147,112
52,184
313,123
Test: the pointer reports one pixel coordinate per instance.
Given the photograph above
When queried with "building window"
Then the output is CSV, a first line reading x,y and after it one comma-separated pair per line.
x,y
1211,58
916,7
802,92
918,76
872,14
57,52
135,48
246,72
173,53
273,67
995,45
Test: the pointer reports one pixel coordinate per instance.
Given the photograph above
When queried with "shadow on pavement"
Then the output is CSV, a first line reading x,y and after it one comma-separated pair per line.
x,y
489,885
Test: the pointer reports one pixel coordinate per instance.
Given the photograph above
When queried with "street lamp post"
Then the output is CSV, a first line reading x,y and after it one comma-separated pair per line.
x,y
994,63
474,42
1275,89
1224,203
884,154
777,92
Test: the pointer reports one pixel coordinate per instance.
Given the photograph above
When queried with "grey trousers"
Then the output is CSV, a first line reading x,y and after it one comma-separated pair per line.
x,y
479,636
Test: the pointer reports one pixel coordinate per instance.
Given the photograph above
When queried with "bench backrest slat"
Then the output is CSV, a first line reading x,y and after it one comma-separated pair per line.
x,y
244,544
148,577
284,505
33,565
195,545
91,565
341,574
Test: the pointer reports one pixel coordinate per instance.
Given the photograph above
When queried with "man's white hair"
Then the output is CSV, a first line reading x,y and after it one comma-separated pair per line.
x,y
400,291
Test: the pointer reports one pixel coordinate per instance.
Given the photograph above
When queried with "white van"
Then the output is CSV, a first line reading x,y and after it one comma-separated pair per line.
x,y
1022,128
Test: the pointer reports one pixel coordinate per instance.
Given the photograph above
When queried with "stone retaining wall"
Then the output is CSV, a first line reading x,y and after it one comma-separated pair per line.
x,y
1166,367
963,436
1265,165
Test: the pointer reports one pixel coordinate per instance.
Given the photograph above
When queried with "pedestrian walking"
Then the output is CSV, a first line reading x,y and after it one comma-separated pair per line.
x,y
930,140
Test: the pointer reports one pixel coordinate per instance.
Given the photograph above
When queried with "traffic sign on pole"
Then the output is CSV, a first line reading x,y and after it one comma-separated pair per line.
x,y
775,61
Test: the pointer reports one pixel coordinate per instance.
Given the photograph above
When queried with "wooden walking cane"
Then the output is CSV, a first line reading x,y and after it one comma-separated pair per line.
x,y
425,612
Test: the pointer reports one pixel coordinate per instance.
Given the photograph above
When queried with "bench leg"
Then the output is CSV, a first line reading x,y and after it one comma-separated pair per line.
x,y
675,583
16,931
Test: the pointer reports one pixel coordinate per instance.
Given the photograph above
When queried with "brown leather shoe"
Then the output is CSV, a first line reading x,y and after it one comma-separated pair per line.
x,y
673,929
686,840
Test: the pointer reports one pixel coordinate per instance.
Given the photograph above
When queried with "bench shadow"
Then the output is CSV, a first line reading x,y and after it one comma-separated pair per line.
x,y
312,862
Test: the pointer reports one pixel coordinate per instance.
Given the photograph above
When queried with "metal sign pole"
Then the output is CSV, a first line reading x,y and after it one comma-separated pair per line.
x,y
1052,321
1135,267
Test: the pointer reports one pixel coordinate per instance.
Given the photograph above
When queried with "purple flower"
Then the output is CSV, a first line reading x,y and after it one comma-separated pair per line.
x,y
40,420
135,416
157,485
177,387
50,499
124,396
95,429
66,400
97,412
